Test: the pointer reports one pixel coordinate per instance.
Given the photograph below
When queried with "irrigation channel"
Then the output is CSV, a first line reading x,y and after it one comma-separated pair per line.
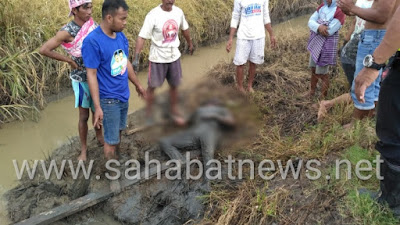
x,y
30,140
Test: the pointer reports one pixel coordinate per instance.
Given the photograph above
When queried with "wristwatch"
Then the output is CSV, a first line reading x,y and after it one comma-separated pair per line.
x,y
369,62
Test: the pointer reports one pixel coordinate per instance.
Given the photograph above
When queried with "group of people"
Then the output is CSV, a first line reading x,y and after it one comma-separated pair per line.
x,y
373,38
99,53
99,58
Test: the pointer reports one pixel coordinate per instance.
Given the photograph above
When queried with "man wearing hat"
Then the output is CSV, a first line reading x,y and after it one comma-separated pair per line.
x,y
70,37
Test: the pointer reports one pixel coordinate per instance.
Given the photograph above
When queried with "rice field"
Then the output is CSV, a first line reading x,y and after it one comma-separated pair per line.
x,y
27,78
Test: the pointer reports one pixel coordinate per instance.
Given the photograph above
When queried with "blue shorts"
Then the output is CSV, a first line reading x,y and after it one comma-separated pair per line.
x,y
82,95
369,41
115,114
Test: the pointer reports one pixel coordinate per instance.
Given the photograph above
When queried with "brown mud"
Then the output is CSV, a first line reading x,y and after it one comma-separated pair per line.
x,y
150,203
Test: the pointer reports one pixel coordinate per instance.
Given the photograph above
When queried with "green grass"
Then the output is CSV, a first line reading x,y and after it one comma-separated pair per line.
x,y
360,208
364,210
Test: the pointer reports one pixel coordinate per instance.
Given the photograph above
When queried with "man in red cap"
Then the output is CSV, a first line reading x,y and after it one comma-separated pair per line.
x,y
70,37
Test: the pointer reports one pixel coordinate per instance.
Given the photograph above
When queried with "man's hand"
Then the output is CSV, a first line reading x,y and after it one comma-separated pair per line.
x,y
229,45
323,30
346,6
98,118
73,64
190,49
141,92
364,79
273,41
135,63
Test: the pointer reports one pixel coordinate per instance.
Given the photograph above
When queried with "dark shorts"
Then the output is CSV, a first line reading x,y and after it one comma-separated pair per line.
x,y
158,72
348,57
388,115
349,70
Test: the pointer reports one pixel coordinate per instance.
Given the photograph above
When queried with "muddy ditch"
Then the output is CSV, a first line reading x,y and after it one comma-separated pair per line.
x,y
153,202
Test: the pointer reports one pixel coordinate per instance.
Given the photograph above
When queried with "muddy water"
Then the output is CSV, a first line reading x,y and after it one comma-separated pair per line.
x,y
35,140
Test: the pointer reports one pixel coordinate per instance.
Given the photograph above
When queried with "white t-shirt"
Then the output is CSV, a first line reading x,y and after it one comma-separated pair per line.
x,y
162,28
360,23
253,15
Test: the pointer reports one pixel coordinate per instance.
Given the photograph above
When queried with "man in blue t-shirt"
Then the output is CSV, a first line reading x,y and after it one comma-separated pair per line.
x,y
105,54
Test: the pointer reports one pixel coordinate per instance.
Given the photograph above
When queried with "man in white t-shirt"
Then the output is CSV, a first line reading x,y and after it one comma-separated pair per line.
x,y
162,25
254,17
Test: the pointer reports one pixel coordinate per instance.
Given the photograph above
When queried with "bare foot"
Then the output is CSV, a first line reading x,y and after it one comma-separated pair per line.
x,y
82,156
323,110
348,126
308,94
115,186
250,89
241,89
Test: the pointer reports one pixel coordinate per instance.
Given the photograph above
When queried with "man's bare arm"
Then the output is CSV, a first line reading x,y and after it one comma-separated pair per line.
x,y
48,47
133,78
93,86
268,27
379,13
94,92
391,41
186,34
229,43
138,49
139,45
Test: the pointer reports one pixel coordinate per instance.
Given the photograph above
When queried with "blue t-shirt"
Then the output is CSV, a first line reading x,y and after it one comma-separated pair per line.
x,y
110,57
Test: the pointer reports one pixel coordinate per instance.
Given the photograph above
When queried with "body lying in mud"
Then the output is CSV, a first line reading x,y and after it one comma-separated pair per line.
x,y
34,196
205,132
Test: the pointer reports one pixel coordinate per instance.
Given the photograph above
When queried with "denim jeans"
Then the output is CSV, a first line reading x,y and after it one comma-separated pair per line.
x,y
369,41
115,114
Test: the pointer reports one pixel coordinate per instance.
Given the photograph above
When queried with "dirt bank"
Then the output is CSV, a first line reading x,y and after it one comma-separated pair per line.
x,y
149,203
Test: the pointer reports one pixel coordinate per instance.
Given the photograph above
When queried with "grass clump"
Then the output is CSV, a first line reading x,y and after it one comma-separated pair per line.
x,y
364,210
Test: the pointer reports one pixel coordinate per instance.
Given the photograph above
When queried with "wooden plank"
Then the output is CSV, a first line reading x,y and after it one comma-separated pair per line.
x,y
91,199
63,211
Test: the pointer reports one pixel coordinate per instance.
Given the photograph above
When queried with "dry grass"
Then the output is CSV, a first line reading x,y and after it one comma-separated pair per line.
x,y
290,131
